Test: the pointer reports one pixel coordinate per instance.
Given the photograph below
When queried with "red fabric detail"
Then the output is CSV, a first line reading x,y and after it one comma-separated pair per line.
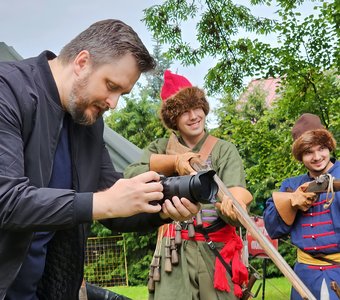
x,y
317,235
317,223
313,214
172,84
320,247
230,253
323,268
319,203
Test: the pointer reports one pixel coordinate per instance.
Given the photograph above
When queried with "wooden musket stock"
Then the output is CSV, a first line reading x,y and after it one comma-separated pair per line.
x,y
320,185
250,225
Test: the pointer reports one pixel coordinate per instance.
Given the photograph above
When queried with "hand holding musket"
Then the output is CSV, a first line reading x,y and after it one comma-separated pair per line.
x,y
250,225
289,202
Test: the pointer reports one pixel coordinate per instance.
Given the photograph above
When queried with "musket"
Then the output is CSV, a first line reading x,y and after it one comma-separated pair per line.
x,y
321,184
250,225
325,183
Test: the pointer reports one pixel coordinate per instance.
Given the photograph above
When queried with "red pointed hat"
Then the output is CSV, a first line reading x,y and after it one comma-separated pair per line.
x,y
172,84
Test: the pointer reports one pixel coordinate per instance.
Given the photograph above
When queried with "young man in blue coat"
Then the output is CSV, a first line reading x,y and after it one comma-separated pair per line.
x,y
311,220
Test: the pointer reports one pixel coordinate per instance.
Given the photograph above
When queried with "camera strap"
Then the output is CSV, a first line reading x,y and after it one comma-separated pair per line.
x,y
175,147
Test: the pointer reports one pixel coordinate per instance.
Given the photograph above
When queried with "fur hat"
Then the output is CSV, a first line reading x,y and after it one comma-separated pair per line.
x,y
308,132
179,96
304,123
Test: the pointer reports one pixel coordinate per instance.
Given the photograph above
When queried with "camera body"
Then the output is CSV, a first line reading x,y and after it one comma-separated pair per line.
x,y
200,187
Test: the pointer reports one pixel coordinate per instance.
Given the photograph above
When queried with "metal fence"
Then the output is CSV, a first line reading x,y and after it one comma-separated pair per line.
x,y
105,261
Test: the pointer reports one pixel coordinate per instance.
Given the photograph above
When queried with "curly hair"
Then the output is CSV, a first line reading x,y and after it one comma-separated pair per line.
x,y
184,100
312,138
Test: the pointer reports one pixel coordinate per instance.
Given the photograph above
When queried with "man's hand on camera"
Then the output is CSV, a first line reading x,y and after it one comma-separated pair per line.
x,y
179,209
128,197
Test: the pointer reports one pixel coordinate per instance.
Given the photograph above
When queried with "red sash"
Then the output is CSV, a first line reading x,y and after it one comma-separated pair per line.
x,y
230,253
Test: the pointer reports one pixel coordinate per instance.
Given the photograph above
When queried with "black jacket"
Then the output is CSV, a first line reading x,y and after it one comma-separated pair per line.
x,y
31,119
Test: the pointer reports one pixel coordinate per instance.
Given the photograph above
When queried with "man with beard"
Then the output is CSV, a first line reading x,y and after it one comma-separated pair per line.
x,y
56,176
201,272
311,221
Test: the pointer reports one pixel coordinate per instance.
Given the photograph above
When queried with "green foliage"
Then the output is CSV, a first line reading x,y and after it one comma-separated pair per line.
x,y
97,229
139,249
276,288
108,261
237,39
138,121
263,138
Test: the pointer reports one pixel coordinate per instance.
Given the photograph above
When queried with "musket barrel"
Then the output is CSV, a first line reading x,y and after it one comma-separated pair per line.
x,y
320,184
336,185
250,225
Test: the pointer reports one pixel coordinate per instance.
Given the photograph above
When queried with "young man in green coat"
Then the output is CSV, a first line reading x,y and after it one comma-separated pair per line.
x,y
198,274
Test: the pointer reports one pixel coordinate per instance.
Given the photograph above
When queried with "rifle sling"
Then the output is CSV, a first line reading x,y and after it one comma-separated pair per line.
x,y
213,248
175,147
216,225
219,223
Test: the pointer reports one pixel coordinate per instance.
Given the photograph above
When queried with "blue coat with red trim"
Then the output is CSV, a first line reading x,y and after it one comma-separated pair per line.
x,y
314,231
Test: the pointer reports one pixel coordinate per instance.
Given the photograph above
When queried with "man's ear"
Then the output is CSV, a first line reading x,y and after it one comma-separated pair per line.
x,y
82,61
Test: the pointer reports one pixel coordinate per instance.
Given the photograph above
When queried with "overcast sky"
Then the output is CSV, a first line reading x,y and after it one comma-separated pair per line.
x,y
32,26
36,25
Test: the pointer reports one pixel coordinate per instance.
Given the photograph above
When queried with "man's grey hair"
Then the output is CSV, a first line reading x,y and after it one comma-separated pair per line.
x,y
107,40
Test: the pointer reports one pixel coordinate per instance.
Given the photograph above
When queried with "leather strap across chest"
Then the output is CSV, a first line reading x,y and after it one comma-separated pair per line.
x,y
175,147
207,147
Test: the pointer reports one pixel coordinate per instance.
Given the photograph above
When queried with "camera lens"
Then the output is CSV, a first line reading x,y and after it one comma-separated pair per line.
x,y
196,188
203,187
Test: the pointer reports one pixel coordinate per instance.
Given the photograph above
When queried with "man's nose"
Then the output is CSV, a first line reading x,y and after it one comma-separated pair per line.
x,y
317,155
192,114
112,100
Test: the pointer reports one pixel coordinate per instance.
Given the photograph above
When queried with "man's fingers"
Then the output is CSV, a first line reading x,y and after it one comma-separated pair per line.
x,y
149,176
153,187
176,208
180,210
